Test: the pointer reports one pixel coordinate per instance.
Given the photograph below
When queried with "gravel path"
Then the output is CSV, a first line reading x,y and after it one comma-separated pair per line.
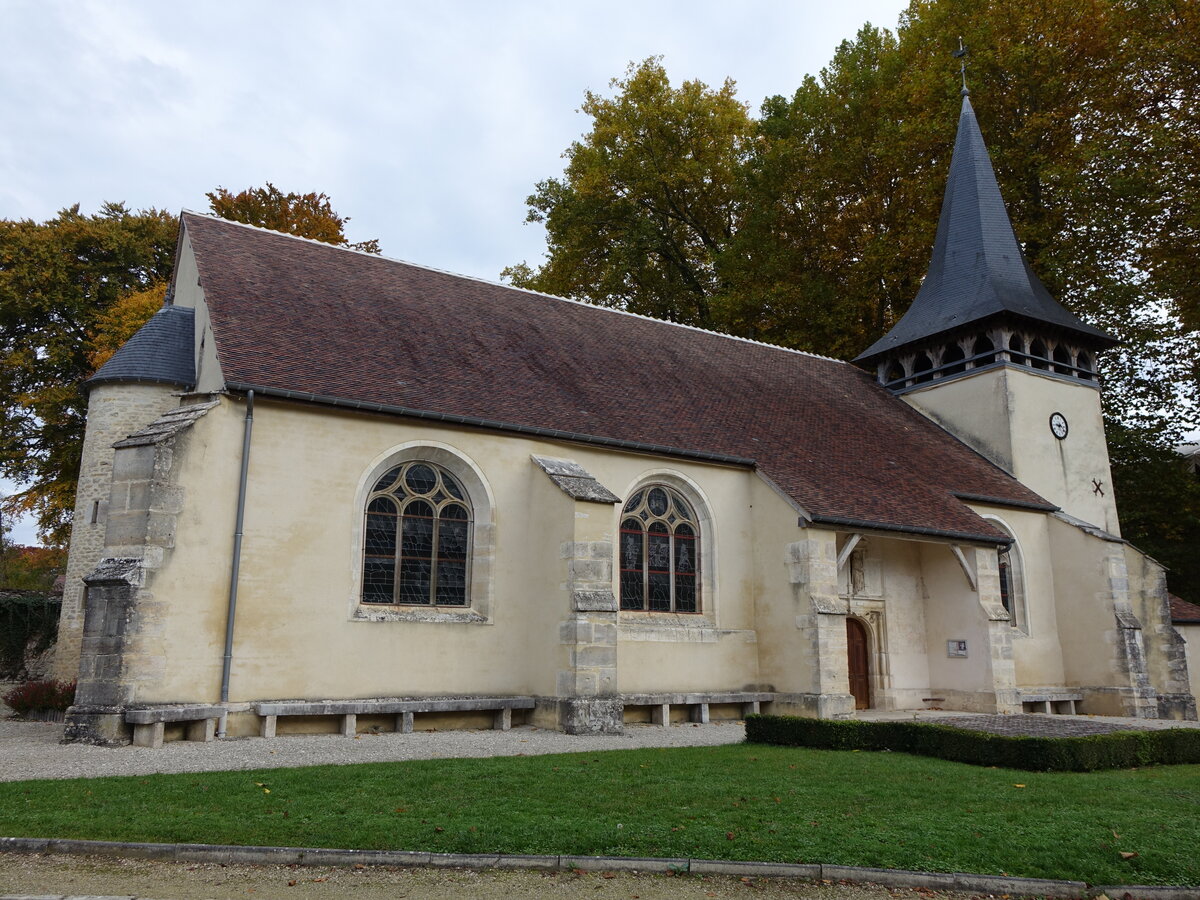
x,y
31,749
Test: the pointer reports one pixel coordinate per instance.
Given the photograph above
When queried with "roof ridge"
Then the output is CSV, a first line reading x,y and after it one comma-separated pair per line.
x,y
511,287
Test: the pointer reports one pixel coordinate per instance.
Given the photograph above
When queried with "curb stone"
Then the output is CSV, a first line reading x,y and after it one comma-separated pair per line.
x,y
961,881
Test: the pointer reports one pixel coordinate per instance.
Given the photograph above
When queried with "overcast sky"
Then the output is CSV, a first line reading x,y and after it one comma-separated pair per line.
x,y
426,123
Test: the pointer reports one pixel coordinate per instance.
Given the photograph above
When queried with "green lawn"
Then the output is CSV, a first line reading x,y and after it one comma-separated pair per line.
x,y
735,802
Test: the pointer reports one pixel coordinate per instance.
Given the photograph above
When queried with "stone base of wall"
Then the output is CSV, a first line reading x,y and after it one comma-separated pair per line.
x,y
1181,707
1116,701
812,706
591,715
1000,702
103,726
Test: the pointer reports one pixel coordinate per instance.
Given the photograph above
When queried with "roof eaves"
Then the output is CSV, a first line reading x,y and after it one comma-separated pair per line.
x,y
946,535
1001,501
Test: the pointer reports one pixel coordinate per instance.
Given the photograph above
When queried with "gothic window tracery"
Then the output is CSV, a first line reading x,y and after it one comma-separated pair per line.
x,y
417,538
659,552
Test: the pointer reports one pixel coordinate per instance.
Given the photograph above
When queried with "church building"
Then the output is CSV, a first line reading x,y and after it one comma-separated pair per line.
x,y
328,491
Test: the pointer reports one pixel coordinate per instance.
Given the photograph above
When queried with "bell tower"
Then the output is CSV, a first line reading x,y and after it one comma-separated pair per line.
x,y
989,355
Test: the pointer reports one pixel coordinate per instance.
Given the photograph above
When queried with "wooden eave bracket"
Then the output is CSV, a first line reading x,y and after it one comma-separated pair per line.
x,y
851,543
966,567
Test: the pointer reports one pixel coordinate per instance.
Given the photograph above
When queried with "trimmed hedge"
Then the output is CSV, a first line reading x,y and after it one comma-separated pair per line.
x,y
1117,750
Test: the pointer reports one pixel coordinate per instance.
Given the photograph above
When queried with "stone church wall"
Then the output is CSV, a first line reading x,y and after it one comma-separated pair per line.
x,y
300,632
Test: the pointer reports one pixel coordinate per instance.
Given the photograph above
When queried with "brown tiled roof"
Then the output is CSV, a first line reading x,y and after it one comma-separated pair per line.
x,y
1184,612
299,316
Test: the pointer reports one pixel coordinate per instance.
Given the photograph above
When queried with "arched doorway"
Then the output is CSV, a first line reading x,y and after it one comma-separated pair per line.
x,y
859,663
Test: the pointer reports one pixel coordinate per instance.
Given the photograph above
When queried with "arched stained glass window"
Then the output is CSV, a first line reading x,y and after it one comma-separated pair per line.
x,y
660,553
417,538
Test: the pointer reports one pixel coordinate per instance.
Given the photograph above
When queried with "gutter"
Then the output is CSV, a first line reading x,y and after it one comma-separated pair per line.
x,y
231,612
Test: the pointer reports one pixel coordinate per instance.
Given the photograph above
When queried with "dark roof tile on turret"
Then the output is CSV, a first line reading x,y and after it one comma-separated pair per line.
x,y
161,352
978,270
316,323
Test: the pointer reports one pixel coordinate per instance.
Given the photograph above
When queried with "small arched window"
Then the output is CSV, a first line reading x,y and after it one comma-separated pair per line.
x,y
1012,588
1062,356
1084,362
418,538
660,552
921,366
1037,350
954,354
983,345
1017,345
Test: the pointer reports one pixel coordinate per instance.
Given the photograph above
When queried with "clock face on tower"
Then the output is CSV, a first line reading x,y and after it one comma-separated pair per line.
x,y
1058,425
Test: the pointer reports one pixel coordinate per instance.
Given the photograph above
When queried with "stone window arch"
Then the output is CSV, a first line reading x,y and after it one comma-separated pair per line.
x,y
1012,579
411,505
660,555
417,538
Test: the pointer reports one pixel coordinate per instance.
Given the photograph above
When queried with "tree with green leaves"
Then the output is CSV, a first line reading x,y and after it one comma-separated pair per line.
x,y
57,278
308,215
649,201
72,290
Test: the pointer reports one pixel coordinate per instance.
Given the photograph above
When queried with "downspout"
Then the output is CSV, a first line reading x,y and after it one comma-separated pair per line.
x,y
231,612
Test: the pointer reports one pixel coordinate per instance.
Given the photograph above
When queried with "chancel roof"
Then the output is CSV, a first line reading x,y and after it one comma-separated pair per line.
x,y
977,271
315,322
161,352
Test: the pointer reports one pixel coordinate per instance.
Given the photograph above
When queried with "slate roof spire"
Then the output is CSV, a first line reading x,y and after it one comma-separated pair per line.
x,y
161,352
978,271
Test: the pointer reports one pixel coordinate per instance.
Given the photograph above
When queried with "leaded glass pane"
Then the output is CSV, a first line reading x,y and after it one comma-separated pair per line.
x,y
681,508
659,548
417,531
656,500
659,591
387,479
635,501
452,582
380,537
658,568
631,564
414,581
421,479
452,539
685,550
685,593
379,574
452,487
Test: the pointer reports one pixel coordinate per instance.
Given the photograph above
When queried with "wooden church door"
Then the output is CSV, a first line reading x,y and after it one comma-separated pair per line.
x,y
860,667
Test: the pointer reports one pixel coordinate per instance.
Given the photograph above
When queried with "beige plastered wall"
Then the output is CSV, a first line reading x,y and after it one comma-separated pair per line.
x,y
1004,413
1191,637
296,631
1037,653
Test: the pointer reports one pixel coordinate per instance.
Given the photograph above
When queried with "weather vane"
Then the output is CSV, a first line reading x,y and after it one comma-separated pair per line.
x,y
961,53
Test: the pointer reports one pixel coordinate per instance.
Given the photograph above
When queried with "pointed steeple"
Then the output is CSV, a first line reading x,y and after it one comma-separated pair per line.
x,y
978,275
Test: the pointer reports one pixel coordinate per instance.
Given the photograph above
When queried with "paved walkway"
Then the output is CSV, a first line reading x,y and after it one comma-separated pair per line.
x,y
1034,725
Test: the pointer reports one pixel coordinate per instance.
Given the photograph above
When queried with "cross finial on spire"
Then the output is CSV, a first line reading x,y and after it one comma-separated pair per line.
x,y
961,54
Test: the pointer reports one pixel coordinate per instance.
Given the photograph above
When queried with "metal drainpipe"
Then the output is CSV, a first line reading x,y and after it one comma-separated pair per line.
x,y
227,661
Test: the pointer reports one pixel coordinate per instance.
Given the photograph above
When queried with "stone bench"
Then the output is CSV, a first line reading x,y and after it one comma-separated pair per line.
x,y
1050,701
149,723
403,710
698,703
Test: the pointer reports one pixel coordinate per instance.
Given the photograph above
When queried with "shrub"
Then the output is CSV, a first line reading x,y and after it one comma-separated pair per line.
x,y
1118,750
51,695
